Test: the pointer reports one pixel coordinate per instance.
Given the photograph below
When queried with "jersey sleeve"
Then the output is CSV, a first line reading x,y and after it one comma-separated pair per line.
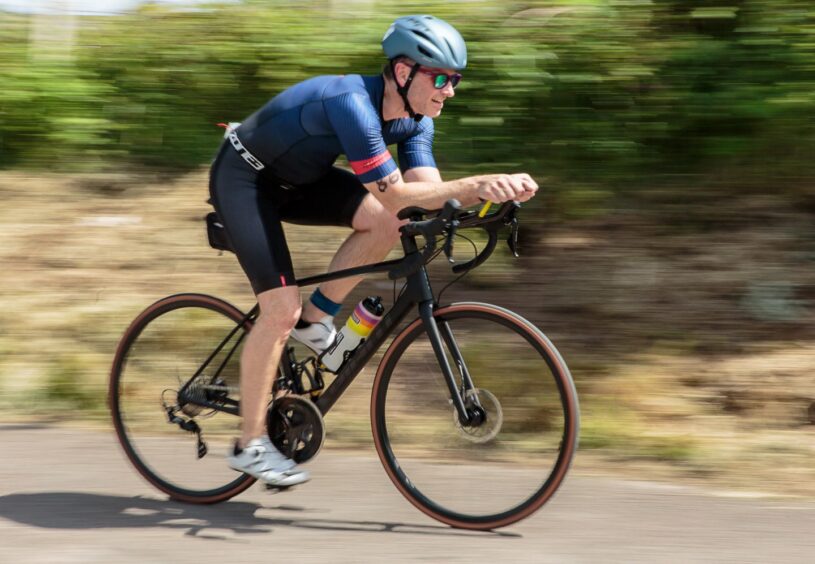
x,y
417,150
357,126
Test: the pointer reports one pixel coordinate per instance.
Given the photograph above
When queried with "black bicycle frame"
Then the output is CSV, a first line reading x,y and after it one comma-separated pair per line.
x,y
417,292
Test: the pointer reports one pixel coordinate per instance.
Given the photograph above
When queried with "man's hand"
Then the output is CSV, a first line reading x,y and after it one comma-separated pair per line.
x,y
505,187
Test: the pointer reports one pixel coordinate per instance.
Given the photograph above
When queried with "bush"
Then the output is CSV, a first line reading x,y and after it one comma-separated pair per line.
x,y
621,103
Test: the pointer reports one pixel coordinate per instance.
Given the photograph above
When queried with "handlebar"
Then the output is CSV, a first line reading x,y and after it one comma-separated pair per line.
x,y
446,221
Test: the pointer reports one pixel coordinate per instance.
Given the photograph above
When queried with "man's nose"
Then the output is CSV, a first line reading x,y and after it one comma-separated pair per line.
x,y
448,90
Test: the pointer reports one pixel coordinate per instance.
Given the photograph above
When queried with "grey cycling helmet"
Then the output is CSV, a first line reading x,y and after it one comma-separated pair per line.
x,y
429,41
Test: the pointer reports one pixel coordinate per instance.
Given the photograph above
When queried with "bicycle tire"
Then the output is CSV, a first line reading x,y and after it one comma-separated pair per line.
x,y
433,486
132,373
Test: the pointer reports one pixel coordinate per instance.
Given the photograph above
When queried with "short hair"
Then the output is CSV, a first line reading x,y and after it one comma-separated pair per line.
x,y
387,69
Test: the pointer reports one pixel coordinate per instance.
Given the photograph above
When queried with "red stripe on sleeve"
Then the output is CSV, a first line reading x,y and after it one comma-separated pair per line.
x,y
363,166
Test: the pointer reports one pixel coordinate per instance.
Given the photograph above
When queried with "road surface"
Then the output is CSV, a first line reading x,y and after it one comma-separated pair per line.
x,y
70,496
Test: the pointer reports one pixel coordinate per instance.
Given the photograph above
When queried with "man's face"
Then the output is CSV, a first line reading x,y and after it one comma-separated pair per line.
x,y
423,96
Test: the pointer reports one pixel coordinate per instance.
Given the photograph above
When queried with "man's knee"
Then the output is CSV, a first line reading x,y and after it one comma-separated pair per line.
x,y
372,216
388,227
279,310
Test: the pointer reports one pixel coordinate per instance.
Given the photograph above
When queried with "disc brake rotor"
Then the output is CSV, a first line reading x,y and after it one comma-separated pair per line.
x,y
493,417
295,427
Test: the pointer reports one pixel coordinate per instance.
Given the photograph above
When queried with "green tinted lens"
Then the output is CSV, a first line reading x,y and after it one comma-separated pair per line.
x,y
440,80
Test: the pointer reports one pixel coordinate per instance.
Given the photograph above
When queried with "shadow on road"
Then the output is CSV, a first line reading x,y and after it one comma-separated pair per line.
x,y
73,510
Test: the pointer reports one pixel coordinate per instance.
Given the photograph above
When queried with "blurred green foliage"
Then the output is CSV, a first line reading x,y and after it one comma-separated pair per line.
x,y
618,103
67,387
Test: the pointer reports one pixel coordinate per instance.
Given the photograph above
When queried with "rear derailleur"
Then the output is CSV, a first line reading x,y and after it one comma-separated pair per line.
x,y
188,425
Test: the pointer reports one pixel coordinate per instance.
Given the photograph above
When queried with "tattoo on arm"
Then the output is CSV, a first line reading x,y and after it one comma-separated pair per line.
x,y
383,183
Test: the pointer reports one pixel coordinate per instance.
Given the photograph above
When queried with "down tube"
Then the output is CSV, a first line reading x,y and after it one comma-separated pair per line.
x,y
357,362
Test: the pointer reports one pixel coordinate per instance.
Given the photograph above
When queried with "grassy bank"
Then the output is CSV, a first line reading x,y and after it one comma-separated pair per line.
x,y
692,349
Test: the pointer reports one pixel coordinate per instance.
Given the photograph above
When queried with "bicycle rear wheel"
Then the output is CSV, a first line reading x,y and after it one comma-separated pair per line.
x,y
495,472
160,352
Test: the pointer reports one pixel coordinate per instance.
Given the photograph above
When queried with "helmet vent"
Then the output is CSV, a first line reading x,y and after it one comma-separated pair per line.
x,y
424,52
422,35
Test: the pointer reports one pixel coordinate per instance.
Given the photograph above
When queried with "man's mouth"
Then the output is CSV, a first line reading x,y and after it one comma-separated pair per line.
x,y
439,102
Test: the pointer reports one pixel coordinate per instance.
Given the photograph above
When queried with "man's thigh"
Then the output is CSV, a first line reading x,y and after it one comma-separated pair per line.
x,y
252,223
332,200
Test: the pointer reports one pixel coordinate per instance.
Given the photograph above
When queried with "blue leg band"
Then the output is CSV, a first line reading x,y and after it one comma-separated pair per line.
x,y
324,304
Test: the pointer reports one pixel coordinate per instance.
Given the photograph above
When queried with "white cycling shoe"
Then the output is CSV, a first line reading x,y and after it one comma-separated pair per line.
x,y
318,336
260,459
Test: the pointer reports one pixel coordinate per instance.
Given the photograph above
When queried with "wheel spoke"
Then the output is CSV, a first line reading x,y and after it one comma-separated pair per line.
x,y
159,352
500,467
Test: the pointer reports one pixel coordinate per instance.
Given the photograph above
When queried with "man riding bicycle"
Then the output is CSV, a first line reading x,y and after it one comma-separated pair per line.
x,y
278,165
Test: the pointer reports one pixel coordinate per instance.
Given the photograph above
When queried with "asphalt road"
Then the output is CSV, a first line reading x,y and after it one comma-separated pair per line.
x,y
69,496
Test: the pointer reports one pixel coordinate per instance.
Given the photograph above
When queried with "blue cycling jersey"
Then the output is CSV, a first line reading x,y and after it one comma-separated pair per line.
x,y
300,132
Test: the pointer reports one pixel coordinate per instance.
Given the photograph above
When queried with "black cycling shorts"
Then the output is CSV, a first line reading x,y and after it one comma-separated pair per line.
x,y
253,204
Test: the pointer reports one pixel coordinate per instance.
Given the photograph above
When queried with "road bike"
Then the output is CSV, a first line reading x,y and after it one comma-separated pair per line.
x,y
473,411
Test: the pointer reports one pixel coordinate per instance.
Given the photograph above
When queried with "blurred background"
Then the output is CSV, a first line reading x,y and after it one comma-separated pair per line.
x,y
670,255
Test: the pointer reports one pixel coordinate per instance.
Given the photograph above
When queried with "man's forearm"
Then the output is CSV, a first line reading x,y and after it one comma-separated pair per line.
x,y
433,195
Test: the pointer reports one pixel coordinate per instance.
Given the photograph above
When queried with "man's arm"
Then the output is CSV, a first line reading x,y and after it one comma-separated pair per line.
x,y
358,128
422,174
423,187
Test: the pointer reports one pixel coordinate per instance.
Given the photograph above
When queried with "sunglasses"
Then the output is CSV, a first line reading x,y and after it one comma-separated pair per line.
x,y
441,79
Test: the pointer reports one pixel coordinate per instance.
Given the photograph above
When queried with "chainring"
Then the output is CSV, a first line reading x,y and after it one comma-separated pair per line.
x,y
295,427
492,423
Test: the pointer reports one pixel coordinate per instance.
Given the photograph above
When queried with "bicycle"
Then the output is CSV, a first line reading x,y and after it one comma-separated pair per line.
x,y
473,411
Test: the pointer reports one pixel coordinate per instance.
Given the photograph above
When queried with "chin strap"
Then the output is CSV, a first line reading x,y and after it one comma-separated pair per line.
x,y
403,90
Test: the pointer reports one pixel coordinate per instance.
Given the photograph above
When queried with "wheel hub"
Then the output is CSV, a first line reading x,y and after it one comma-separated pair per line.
x,y
476,416
200,391
196,392
486,416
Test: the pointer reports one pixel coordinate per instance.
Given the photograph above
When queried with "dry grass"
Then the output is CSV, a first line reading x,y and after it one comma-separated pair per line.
x,y
693,354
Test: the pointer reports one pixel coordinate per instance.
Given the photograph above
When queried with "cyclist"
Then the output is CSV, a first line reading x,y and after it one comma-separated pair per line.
x,y
278,165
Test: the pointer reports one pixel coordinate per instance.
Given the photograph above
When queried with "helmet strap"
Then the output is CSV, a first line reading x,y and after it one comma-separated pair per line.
x,y
403,90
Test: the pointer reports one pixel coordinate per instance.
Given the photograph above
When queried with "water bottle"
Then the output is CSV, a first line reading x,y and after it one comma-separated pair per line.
x,y
359,325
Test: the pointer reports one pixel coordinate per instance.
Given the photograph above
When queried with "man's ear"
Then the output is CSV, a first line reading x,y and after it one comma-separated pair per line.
x,y
401,71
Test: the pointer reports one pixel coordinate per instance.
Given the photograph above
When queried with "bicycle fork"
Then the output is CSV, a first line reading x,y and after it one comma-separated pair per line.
x,y
437,332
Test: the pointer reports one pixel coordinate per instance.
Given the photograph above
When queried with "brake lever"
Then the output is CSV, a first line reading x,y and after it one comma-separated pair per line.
x,y
448,243
512,240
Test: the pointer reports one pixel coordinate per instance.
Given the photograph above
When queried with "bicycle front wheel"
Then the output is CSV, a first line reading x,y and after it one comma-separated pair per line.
x,y
158,355
513,456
